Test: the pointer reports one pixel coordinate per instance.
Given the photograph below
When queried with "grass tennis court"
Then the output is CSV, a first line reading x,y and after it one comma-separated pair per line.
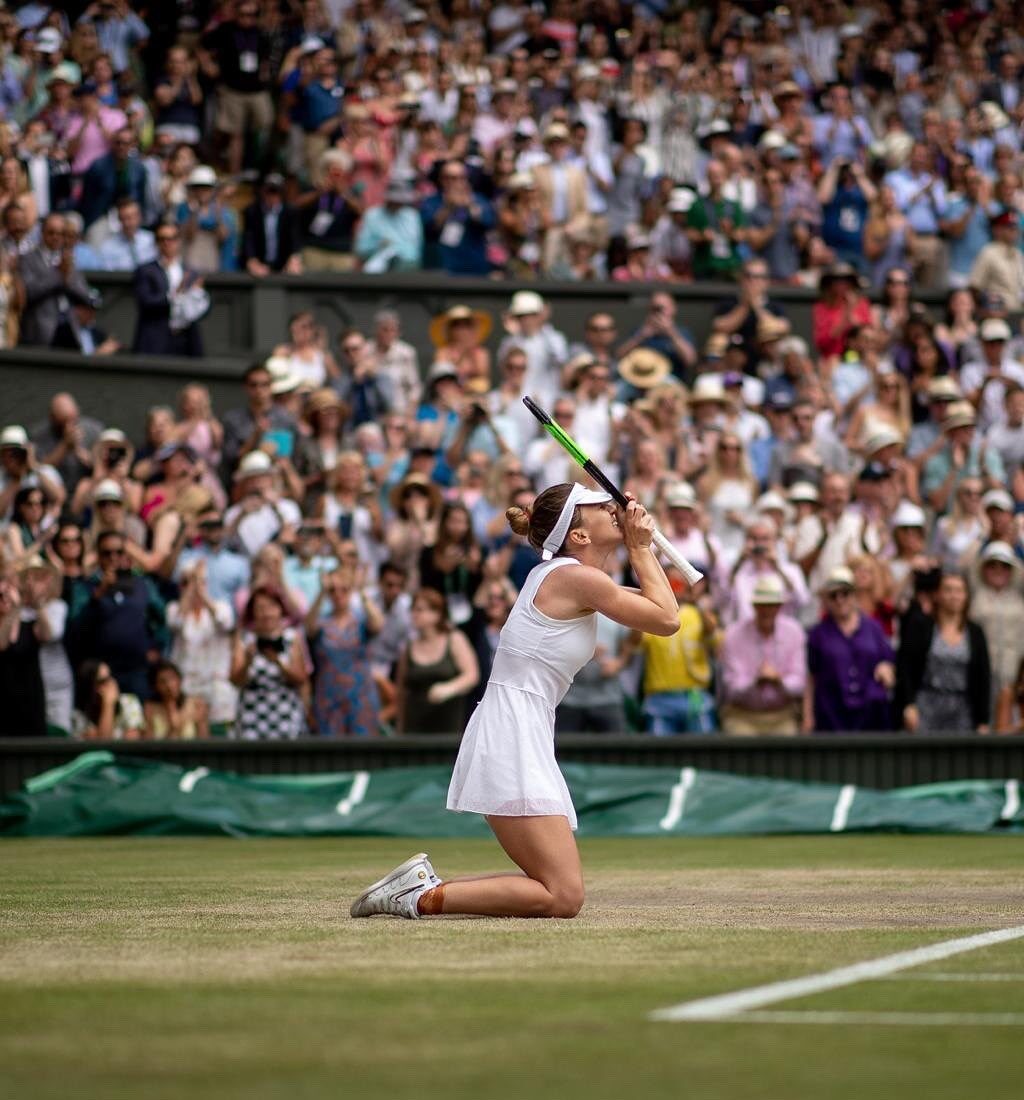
x,y
216,968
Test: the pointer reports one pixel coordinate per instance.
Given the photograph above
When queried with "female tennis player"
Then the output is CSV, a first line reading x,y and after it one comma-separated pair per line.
x,y
506,766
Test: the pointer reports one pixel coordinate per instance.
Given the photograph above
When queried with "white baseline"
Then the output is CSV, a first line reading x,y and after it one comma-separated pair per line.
x,y
726,1006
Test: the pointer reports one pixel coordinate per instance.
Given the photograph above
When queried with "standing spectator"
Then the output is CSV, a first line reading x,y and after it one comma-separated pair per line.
x,y
528,324
728,489
21,677
208,225
200,626
236,54
999,267
132,245
119,616
269,668
839,310
764,666
998,608
629,179
66,439
920,194
562,194
985,382
345,702
944,676
845,193
51,284
328,217
850,666
320,94
839,133
455,225
117,174
397,362
390,236
119,31
960,453
261,513
179,98
91,133
40,585
966,227
436,670
225,573
170,300
762,555
823,542
743,314
270,232
716,228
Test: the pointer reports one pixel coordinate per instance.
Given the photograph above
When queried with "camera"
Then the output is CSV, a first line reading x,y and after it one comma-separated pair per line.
x,y
270,645
116,455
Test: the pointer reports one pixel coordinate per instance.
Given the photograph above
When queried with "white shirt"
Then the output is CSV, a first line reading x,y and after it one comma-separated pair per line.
x,y
991,409
175,272
258,528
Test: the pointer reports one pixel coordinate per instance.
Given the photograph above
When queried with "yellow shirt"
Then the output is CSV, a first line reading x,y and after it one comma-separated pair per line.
x,y
679,663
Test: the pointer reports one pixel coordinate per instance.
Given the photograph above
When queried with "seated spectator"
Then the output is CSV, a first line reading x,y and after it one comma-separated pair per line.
x,y
102,710
78,331
743,314
270,232
943,671
269,667
850,666
306,354
32,515
170,300
131,245
345,702
985,381
328,217
764,666
436,670
48,275
455,225
959,454
208,225
172,714
19,469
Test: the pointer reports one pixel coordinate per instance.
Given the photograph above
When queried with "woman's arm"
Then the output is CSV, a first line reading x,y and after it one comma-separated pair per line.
x,y
469,671
400,671
294,668
241,659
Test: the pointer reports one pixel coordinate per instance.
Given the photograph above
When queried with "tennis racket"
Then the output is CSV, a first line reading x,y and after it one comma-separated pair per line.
x,y
566,441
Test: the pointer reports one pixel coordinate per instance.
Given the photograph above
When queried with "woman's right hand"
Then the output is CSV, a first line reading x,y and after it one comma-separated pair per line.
x,y
637,526
911,718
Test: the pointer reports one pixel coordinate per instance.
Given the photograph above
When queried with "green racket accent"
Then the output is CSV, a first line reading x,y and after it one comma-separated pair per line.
x,y
560,436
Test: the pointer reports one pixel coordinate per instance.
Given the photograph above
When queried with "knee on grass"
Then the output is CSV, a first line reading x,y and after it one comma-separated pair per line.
x,y
565,902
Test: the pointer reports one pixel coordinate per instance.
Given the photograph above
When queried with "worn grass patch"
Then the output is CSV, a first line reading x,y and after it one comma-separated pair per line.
x,y
209,968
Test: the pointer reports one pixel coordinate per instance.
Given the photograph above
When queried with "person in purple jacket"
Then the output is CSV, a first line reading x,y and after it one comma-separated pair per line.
x,y
850,665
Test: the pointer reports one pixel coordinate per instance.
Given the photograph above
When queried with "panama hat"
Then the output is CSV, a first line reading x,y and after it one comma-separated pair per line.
x,y
254,464
944,388
1000,551
771,501
908,514
108,489
644,368
36,563
323,399
768,591
709,388
882,436
802,492
960,415
202,176
840,577
993,329
526,302
14,435
680,495
439,325
418,482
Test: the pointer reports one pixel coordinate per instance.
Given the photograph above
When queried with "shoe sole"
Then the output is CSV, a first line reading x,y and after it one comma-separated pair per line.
x,y
396,873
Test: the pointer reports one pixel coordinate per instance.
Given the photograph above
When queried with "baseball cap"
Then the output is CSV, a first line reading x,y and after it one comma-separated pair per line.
x,y
998,498
14,435
908,514
995,328
840,577
999,551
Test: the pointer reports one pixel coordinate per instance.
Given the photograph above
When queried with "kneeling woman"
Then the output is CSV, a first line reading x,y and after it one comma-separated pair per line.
x,y
506,767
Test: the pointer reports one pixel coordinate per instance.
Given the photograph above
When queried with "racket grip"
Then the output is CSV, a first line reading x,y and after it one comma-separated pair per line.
x,y
665,547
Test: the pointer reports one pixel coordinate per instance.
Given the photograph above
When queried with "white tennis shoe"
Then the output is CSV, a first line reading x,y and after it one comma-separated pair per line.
x,y
397,893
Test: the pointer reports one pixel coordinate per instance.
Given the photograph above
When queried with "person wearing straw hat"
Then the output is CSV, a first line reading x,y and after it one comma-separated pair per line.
x,y
561,191
261,513
459,334
997,606
962,454
527,322
642,369
764,666
850,665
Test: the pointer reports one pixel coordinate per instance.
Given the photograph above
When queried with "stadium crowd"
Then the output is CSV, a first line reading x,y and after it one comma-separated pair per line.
x,y
330,554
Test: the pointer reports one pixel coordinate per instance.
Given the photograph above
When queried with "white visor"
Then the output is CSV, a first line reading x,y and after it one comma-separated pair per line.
x,y
578,495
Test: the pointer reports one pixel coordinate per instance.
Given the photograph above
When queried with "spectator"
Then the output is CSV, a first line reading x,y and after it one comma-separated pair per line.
x,y
920,194
999,266
119,616
845,193
261,512
132,245
436,670
390,236
51,282
717,228
397,361
328,217
455,224
270,232
985,382
170,300
114,175
179,98
742,315
173,714
458,336
662,334
944,676
966,227
851,671
66,439
345,702
237,54
764,666
959,454
20,671
102,710
839,309
208,225
78,331
269,667
997,607
528,325
727,489
224,573
737,578
91,135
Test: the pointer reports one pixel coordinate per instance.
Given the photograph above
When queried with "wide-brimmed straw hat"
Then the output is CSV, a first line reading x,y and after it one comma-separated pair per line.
x,y
421,483
322,399
644,368
440,324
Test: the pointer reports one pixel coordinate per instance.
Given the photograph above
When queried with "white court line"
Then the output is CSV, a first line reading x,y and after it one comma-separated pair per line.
x,y
935,976
677,798
841,813
727,1005
908,1019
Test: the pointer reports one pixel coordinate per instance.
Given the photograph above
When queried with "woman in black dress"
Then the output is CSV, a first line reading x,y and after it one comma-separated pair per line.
x,y
21,681
452,566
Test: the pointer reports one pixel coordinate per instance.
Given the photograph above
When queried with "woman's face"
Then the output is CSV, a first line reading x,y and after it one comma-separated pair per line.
x,y
167,684
969,495
102,70
161,426
267,619
33,507
496,604
349,475
68,543
424,616
864,576
103,675
952,595
909,541
601,523
888,390
729,449
10,177
456,524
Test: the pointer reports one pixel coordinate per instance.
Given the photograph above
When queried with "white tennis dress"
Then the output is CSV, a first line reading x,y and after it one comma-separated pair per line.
x,y
506,764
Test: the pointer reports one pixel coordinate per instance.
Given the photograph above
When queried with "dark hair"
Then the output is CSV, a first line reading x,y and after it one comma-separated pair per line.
x,y
259,365
106,536
537,523
955,574
391,566
436,602
468,541
86,696
270,593
22,496
166,666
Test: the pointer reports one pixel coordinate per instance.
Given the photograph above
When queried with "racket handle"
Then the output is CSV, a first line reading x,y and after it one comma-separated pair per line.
x,y
665,547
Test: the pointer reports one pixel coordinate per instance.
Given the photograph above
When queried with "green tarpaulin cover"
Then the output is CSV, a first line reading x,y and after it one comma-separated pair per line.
x,y
101,794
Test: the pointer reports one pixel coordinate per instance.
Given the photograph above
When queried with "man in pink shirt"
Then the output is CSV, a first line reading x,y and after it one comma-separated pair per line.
x,y
764,666
90,133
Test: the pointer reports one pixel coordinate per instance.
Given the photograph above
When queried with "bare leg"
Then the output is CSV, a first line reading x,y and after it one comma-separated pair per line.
x,y
551,884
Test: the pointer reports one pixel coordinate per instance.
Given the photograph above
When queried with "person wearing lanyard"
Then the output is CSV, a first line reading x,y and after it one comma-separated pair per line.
x,y
329,218
921,196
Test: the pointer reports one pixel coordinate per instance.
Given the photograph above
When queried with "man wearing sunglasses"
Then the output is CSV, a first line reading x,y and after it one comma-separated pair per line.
x,y
226,572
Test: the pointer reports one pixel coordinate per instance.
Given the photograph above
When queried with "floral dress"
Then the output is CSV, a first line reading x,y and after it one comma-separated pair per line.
x,y
345,699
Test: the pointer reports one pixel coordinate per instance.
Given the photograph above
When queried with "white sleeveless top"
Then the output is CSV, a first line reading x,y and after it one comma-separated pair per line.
x,y
506,765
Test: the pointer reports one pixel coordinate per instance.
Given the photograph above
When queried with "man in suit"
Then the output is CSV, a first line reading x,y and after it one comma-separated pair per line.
x,y
157,285
562,190
51,283
270,236
1006,88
